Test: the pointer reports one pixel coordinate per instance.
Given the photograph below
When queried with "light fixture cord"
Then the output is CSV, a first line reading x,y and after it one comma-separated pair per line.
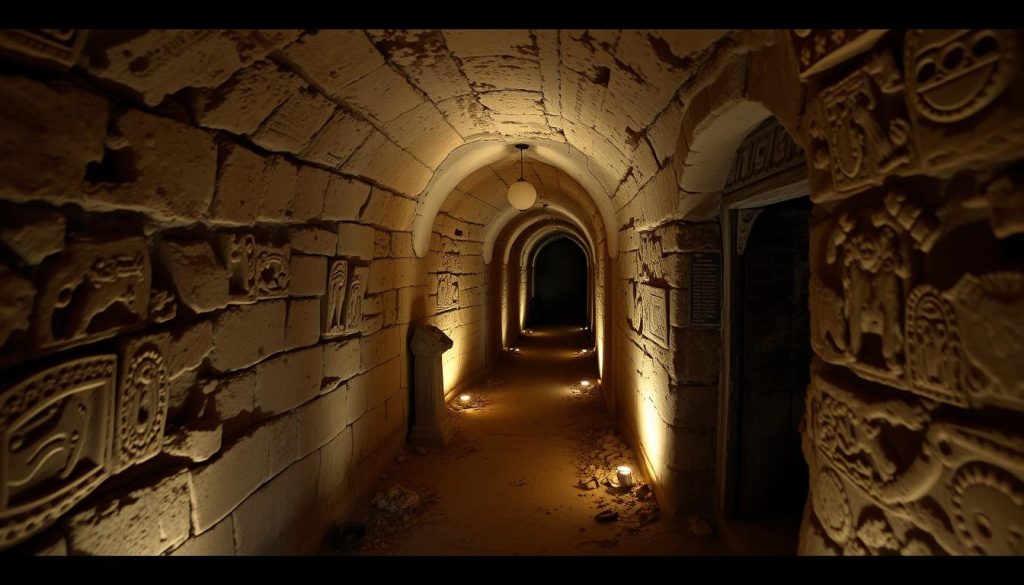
x,y
521,165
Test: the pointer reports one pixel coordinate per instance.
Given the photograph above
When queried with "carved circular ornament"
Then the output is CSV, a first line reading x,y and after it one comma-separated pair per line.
x,y
144,396
988,509
832,507
952,75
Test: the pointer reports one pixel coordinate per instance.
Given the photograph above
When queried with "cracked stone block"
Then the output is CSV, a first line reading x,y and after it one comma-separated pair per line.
x,y
333,59
52,132
198,277
493,72
292,125
322,420
477,43
197,441
341,359
344,198
155,165
355,240
188,347
310,187
313,240
303,325
242,103
308,276
335,462
266,516
218,541
424,133
156,63
424,59
247,334
17,295
219,486
279,182
338,139
33,234
381,95
466,115
232,396
149,520
240,186
386,163
288,380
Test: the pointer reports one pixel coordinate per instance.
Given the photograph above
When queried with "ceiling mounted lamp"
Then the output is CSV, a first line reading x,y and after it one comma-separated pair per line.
x,y
521,194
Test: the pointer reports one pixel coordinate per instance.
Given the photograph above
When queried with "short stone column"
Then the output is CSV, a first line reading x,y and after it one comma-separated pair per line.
x,y
430,427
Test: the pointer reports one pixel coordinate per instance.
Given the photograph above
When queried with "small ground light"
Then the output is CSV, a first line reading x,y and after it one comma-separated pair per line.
x,y
625,475
464,398
585,383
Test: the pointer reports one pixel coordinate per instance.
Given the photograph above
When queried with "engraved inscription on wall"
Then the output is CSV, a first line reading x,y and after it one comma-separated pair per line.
x,y
705,289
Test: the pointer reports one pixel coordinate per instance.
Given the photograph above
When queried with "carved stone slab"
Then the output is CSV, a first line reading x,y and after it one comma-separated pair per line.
x,y
821,49
447,292
257,271
56,438
654,305
142,401
60,47
333,311
91,292
859,132
354,299
766,151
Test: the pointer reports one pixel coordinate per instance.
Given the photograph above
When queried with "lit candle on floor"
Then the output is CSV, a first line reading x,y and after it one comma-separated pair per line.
x,y
625,475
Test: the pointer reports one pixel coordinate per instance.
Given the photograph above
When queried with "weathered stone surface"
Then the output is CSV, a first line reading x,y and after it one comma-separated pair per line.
x,y
368,432
292,125
33,234
303,325
424,133
381,95
382,276
333,59
355,240
279,181
232,396
196,441
309,275
160,62
386,163
218,541
49,48
52,132
200,281
314,240
341,359
344,198
16,297
218,487
335,142
321,420
335,462
310,187
155,165
288,380
247,334
148,521
240,186
188,347
424,59
245,100
266,515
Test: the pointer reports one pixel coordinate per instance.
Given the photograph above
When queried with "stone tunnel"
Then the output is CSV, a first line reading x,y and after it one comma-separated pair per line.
x,y
796,260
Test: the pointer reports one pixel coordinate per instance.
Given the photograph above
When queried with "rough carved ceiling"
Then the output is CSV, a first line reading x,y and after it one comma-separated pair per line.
x,y
390,105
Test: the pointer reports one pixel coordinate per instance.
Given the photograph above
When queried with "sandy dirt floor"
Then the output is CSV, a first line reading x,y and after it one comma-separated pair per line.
x,y
531,463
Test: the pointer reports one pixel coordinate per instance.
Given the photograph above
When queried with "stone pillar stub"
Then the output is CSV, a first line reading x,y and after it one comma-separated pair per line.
x,y
431,426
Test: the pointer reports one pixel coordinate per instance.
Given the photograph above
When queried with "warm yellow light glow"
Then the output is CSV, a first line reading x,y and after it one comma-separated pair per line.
x,y
624,469
585,383
522,195
464,398
625,475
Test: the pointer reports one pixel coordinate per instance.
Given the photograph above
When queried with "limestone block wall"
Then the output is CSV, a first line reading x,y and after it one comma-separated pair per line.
x,y
201,342
666,380
914,430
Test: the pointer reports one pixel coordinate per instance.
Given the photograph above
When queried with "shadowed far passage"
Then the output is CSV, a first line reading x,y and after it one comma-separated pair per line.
x,y
559,285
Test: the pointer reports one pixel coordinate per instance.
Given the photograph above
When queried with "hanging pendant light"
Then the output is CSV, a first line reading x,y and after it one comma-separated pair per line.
x,y
521,194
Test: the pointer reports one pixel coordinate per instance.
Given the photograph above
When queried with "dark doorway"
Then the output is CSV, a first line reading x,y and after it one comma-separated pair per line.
x,y
559,285
773,331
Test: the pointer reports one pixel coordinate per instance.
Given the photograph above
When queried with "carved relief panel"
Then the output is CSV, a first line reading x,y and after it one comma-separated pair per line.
x,y
92,292
56,436
965,95
60,47
821,49
142,401
858,131
447,292
333,311
765,152
257,271
654,308
353,316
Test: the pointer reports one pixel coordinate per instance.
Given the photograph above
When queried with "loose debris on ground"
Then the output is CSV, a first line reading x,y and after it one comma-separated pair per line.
x,y
632,506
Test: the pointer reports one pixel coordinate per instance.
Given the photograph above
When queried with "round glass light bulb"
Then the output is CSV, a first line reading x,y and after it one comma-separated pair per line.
x,y
522,195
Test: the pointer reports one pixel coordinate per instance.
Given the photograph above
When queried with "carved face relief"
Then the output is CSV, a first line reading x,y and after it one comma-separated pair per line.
x,y
92,292
859,126
954,74
142,402
55,439
933,347
334,300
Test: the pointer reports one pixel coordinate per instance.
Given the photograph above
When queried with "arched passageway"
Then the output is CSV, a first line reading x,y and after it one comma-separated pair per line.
x,y
238,266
